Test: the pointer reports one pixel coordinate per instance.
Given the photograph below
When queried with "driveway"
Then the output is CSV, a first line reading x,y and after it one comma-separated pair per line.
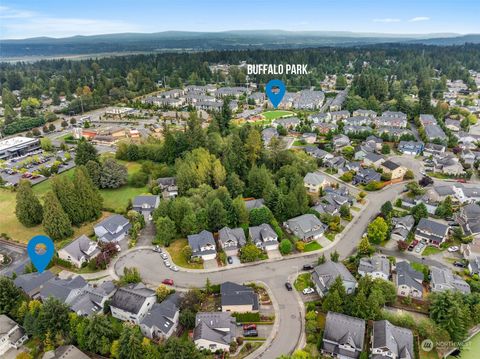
x,y
210,264
274,253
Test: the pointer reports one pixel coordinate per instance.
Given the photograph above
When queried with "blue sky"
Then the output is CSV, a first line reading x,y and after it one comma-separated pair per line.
x,y
30,18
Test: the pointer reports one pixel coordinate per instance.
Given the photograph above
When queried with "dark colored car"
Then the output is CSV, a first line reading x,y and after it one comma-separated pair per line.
x,y
250,333
167,281
230,260
307,267
412,245
460,264
249,327
288,286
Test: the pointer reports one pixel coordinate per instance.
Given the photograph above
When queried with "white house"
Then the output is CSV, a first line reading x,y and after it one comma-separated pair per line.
x,y
12,336
214,330
132,303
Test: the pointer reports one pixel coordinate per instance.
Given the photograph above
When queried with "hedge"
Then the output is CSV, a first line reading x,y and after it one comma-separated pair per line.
x,y
23,124
247,317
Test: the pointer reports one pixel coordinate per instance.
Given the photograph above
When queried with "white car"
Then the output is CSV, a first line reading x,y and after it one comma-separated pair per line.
x,y
118,247
308,290
174,268
168,264
453,249
164,256
419,247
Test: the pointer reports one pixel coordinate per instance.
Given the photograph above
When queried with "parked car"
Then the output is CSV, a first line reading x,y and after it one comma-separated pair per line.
x,y
419,247
462,180
453,224
230,260
307,267
288,286
453,248
167,264
167,281
308,290
157,249
119,249
459,264
412,245
174,268
164,256
250,333
249,327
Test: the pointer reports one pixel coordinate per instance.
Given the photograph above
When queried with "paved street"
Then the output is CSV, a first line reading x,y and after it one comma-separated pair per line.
x,y
273,273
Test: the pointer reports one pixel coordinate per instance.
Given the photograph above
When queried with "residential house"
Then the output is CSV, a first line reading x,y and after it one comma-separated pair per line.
x,y
12,336
435,132
395,114
466,194
132,302
343,336
168,187
324,276
365,176
214,330
307,227
426,120
264,237
286,122
431,232
366,113
268,134
238,298
334,162
326,208
374,160
448,165
394,122
112,229
395,133
145,204
376,266
339,115
79,251
322,117
65,352
374,142
468,157
390,341
161,319
453,125
410,147
93,298
324,127
317,152
65,290
433,149
358,121
443,279
349,130
231,239
402,227
32,283
309,137
408,281
340,141
469,219
314,181
474,266
254,203
203,245
394,169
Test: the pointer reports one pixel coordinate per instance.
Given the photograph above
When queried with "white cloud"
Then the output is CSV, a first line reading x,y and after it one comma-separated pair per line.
x,y
23,24
387,20
419,18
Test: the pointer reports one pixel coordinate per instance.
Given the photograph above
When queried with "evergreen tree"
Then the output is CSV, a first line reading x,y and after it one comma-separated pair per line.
x,y
56,223
130,343
217,215
54,319
85,152
10,296
113,175
333,302
98,334
94,172
67,196
89,199
28,208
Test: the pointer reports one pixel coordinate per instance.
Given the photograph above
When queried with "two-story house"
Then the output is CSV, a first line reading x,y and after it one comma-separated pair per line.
x,y
408,281
306,227
203,245
324,276
231,239
343,336
264,237
112,229
132,302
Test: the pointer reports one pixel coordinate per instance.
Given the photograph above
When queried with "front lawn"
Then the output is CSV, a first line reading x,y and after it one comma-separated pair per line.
x,y
312,246
431,250
117,198
303,281
175,251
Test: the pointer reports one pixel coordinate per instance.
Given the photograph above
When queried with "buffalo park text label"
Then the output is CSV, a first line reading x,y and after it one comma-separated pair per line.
x,y
277,69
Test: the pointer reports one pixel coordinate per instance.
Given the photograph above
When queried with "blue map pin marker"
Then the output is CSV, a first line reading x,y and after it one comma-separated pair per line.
x,y
275,91
40,260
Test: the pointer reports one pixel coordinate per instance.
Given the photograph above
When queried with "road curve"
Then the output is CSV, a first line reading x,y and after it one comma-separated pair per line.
x,y
274,274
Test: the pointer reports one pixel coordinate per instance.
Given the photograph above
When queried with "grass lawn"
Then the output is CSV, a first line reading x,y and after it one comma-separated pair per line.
x,y
245,351
299,143
330,235
303,281
175,251
272,115
312,246
418,266
118,198
431,250
356,209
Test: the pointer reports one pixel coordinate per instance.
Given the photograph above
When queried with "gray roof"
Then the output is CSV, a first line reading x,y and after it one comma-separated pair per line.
x,y
207,326
408,276
6,324
146,201
131,298
61,288
258,233
434,231
375,263
161,315
196,241
166,181
390,165
443,279
79,247
470,215
112,223
373,157
305,226
234,234
329,271
395,339
444,190
341,329
434,131
314,178
65,352
32,282
236,294
254,203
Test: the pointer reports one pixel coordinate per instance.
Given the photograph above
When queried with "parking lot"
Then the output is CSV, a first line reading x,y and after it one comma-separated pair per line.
x,y
28,166
17,254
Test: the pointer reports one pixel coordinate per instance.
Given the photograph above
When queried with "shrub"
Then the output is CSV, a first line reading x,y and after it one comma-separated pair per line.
x,y
247,317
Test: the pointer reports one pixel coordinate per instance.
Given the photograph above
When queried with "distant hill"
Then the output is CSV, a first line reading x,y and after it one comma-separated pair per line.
x,y
197,41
